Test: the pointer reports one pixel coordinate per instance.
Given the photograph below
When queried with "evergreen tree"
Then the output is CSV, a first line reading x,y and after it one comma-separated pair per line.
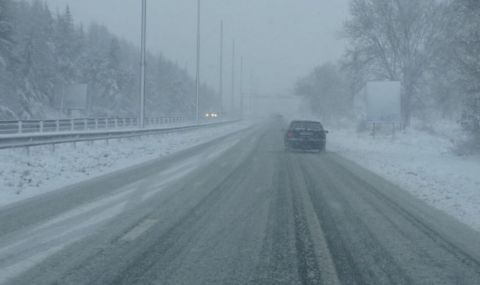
x,y
41,53
67,47
6,33
7,94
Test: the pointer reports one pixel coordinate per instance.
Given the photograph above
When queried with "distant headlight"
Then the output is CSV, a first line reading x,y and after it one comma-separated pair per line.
x,y
207,115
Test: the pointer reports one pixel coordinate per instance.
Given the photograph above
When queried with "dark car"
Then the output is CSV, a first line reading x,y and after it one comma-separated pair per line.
x,y
306,135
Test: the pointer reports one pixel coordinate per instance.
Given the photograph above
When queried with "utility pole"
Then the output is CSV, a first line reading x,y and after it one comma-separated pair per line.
x,y
143,64
232,103
197,80
220,88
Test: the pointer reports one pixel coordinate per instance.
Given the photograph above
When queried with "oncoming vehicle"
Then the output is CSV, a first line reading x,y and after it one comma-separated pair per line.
x,y
211,115
305,135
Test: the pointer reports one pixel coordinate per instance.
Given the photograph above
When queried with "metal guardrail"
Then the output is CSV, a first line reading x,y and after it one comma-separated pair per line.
x,y
40,139
84,124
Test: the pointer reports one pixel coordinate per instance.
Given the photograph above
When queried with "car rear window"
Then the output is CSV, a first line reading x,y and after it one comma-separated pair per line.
x,y
306,125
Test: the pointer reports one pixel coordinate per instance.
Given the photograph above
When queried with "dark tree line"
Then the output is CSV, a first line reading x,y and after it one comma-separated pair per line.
x,y
432,47
41,53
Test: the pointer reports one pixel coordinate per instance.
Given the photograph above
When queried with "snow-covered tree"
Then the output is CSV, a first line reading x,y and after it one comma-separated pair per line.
x,y
397,40
6,33
35,71
68,47
41,53
6,58
466,42
326,91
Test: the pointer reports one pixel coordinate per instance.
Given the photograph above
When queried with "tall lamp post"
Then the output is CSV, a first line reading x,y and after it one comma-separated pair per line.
x,y
232,103
241,87
197,77
220,87
143,63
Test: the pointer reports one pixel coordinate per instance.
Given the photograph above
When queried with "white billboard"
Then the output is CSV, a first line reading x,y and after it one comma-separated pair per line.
x,y
380,101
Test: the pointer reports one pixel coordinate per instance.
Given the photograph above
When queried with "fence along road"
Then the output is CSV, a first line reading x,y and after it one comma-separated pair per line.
x,y
80,124
52,138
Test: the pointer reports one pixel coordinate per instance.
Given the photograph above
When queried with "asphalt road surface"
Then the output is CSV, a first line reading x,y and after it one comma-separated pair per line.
x,y
238,210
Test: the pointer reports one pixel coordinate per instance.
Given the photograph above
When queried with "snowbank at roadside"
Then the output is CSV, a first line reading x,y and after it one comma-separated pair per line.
x,y
425,164
23,176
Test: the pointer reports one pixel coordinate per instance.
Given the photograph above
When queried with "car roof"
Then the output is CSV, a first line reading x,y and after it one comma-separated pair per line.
x,y
306,123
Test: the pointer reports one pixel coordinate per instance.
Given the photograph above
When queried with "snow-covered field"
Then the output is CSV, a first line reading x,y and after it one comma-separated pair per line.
x,y
423,163
23,176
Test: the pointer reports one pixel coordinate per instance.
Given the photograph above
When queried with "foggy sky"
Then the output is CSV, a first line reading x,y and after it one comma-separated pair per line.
x,y
281,40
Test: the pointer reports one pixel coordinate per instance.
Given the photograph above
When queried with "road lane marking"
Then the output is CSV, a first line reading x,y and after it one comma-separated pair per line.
x,y
186,167
140,229
329,273
17,258
14,270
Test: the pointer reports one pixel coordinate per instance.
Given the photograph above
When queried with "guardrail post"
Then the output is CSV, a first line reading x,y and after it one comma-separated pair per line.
x,y
96,124
106,123
72,125
57,125
20,127
85,122
41,126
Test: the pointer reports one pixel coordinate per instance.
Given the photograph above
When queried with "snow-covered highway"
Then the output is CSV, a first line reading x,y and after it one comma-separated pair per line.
x,y
235,210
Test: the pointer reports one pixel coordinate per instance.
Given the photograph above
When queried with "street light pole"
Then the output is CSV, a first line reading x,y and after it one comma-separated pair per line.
x,y
241,87
232,103
143,64
220,88
197,80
